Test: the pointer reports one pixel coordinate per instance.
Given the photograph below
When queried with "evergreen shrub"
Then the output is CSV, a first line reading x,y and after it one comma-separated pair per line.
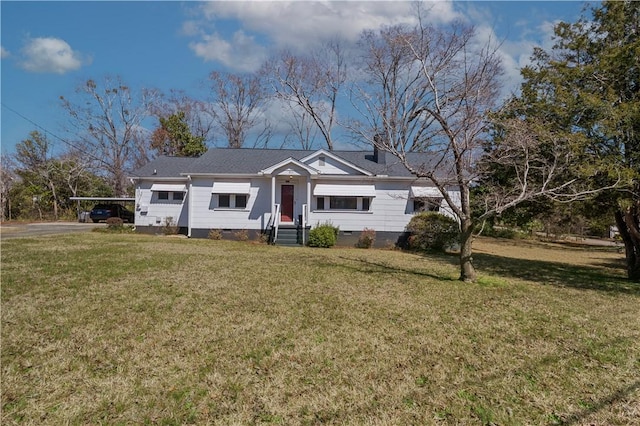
x,y
432,232
324,235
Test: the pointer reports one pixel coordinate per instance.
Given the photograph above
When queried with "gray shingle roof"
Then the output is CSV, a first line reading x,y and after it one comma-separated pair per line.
x,y
164,166
253,160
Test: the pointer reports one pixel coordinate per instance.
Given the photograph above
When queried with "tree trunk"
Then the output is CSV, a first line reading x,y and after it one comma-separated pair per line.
x,y
467,270
629,232
55,199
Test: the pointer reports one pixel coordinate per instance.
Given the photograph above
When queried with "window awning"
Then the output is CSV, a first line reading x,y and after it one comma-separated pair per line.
x,y
169,187
231,188
344,190
424,192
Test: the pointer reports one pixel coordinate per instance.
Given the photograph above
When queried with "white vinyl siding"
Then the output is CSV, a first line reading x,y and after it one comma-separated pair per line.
x,y
390,203
389,211
151,210
207,215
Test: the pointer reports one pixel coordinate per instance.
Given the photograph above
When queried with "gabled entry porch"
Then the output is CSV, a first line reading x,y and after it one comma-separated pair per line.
x,y
290,201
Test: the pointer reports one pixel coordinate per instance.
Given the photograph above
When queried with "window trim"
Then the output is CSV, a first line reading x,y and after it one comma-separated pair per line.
x,y
233,202
168,196
326,204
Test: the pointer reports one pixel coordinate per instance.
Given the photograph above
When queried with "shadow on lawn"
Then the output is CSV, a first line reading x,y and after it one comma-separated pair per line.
x,y
556,273
541,272
370,267
614,399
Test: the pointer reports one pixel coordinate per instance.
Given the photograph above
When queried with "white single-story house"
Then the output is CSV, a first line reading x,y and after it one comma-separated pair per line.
x,y
283,193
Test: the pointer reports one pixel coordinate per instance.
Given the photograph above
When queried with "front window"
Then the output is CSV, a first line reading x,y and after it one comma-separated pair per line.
x,y
426,204
241,201
366,203
224,200
163,195
343,203
233,201
178,196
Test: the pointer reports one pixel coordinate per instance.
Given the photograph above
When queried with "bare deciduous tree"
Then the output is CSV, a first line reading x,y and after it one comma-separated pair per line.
x,y
303,131
430,89
36,166
7,180
310,84
528,160
74,170
106,120
237,105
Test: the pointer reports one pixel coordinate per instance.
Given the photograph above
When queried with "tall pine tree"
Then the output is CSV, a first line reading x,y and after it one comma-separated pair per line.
x,y
588,86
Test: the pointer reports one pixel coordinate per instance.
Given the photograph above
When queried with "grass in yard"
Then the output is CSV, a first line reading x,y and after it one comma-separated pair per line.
x,y
131,329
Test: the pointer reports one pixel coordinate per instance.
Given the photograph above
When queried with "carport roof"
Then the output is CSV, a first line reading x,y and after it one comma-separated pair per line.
x,y
102,198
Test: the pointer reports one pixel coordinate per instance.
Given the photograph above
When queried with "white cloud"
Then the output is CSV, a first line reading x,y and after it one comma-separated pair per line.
x,y
50,55
4,53
298,25
260,28
240,53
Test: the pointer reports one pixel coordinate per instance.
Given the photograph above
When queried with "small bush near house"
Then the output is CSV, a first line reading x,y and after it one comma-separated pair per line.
x,y
367,238
114,223
215,234
263,238
170,227
432,231
242,235
324,236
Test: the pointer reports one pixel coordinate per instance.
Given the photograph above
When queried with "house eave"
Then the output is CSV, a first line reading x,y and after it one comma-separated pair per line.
x,y
223,175
182,177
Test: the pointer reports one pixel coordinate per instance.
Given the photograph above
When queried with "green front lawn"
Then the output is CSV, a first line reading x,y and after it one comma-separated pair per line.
x,y
131,329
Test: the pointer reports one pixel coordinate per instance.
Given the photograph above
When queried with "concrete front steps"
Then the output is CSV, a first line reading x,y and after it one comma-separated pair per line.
x,y
289,236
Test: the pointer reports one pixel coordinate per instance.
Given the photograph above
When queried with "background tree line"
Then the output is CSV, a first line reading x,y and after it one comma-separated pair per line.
x,y
569,136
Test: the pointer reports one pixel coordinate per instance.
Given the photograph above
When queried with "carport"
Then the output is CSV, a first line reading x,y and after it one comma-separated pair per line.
x,y
83,216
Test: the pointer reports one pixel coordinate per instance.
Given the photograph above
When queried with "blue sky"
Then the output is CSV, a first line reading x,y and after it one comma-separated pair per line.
x,y
49,48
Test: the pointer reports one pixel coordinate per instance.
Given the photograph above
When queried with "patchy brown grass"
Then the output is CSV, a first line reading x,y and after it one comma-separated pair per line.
x,y
134,329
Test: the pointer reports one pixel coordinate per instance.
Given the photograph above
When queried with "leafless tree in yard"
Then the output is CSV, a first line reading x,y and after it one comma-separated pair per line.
x,y
237,105
106,120
74,169
303,131
431,89
528,160
310,84
7,180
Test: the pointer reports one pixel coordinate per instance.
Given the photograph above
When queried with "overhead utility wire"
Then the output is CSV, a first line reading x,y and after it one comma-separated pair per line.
x,y
50,133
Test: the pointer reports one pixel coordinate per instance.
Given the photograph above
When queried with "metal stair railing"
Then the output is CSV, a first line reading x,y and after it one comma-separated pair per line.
x,y
275,223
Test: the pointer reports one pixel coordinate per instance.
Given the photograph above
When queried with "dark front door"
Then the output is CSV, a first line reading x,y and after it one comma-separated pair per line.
x,y
286,203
